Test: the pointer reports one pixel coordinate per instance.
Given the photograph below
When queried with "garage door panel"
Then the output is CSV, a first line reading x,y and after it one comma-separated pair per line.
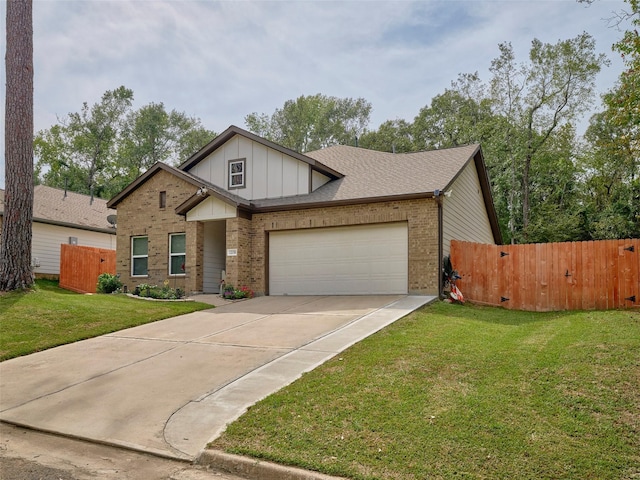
x,y
368,259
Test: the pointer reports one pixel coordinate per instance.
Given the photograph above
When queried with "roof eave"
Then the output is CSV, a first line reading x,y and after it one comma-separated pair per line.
x,y
339,203
113,203
110,231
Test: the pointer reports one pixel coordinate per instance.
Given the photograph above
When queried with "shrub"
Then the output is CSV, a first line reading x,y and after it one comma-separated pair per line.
x,y
232,293
108,283
165,292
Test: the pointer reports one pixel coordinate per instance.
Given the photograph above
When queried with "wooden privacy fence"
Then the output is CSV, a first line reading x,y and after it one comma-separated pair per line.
x,y
542,277
81,266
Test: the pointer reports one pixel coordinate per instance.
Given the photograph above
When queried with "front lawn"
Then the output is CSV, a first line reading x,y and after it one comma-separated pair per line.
x,y
464,392
49,316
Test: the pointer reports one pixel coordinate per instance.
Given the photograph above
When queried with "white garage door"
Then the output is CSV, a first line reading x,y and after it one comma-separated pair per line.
x,y
361,260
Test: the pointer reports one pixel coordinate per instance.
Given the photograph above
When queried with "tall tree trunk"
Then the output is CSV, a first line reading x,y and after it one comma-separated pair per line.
x,y
15,251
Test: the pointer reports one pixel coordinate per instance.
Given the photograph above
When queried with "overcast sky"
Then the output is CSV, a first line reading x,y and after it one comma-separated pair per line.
x,y
220,61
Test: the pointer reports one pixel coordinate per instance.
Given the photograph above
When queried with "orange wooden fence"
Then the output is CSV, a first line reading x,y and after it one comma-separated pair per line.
x,y
81,266
542,277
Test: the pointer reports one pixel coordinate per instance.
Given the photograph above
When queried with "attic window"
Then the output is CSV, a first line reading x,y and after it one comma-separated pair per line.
x,y
163,199
237,173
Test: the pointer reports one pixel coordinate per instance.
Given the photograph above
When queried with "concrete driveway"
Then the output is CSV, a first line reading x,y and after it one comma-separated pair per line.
x,y
171,386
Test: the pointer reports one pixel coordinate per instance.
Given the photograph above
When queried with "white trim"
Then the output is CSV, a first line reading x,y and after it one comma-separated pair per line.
x,y
236,174
134,257
177,254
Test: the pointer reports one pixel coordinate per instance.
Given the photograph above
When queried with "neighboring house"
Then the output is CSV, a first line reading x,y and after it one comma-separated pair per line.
x,y
64,217
342,220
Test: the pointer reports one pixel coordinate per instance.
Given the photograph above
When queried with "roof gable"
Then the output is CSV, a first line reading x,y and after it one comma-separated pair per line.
x,y
371,175
230,132
205,188
155,168
358,175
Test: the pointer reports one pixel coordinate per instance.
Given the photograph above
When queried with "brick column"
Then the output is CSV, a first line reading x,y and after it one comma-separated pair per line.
x,y
239,239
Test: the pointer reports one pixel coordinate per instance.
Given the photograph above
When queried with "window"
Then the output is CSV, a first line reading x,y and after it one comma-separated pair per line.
x,y
177,253
139,256
236,173
163,199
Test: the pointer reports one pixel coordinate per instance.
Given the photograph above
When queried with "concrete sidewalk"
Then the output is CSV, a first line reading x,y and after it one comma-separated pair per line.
x,y
170,387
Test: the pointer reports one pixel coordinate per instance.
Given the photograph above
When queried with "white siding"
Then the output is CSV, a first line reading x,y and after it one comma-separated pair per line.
x,y
274,174
269,173
464,215
211,209
259,170
46,241
317,180
213,255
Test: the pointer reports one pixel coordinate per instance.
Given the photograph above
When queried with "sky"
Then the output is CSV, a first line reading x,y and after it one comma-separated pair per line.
x,y
222,60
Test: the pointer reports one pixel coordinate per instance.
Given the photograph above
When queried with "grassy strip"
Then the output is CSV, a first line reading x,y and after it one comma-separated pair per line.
x,y
464,392
49,316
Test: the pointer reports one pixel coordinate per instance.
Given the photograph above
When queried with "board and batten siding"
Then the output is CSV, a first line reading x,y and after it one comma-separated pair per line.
x,y
464,214
268,172
46,241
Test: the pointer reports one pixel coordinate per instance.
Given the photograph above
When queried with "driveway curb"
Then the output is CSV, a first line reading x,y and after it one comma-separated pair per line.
x,y
253,468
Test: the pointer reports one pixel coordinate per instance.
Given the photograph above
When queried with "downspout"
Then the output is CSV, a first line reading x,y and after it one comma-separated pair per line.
x,y
438,198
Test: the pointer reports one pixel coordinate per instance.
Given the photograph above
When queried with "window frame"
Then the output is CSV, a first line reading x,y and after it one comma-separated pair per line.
x,y
179,254
136,257
162,199
243,174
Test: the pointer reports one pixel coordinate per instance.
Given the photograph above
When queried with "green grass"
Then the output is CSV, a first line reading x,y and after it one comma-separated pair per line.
x,y
49,316
464,392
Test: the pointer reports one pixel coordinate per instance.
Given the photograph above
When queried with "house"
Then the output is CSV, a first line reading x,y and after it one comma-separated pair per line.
x,y
64,217
341,220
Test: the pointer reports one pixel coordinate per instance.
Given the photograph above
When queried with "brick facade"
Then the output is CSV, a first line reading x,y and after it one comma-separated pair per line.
x,y
139,214
239,267
422,221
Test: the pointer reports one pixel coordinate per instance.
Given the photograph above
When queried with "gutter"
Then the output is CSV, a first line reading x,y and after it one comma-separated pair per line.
x,y
335,203
111,231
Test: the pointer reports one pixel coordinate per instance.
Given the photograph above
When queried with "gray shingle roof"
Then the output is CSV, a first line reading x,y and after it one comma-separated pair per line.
x,y
371,174
51,206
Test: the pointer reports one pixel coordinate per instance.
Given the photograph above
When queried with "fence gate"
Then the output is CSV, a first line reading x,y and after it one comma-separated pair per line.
x,y
81,266
598,275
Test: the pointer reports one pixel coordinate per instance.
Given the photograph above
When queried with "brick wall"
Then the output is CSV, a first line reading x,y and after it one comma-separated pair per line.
x,y
421,217
239,267
140,214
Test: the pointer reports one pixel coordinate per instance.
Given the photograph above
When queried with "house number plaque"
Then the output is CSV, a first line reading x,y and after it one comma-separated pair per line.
x,y
232,252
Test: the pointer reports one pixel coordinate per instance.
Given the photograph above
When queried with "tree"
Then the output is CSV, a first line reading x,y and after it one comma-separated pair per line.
x,y
313,122
103,148
611,187
82,146
150,135
459,116
536,98
557,214
392,136
623,101
15,254
611,162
